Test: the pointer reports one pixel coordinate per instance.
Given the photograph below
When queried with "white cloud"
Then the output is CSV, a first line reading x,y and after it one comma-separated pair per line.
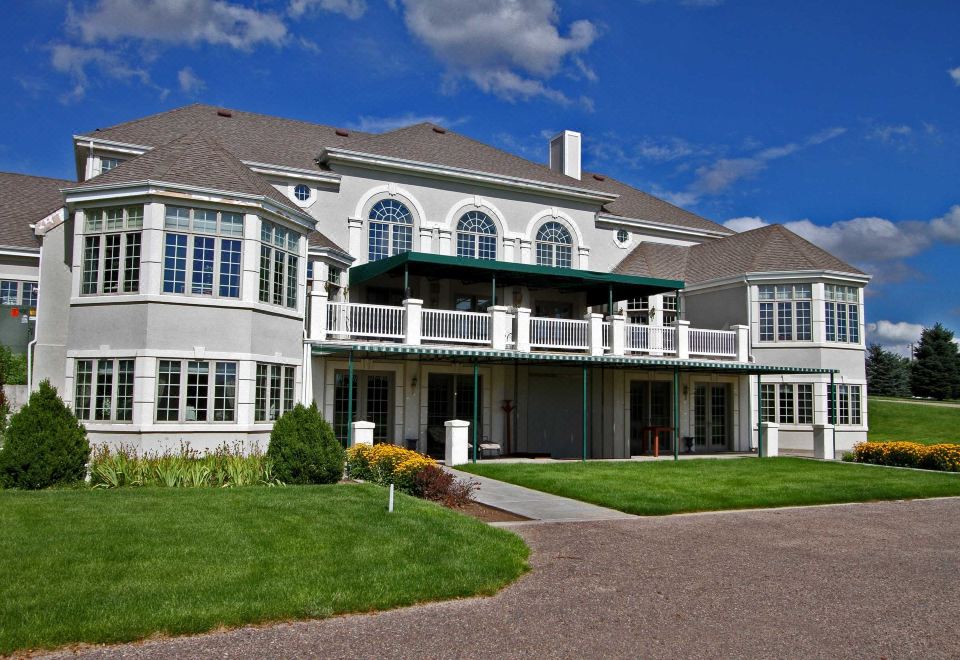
x,y
190,82
352,9
894,336
216,22
370,124
75,62
505,47
955,74
891,133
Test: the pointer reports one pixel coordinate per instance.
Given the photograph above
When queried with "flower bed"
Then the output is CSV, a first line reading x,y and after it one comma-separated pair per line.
x,y
944,457
187,468
409,472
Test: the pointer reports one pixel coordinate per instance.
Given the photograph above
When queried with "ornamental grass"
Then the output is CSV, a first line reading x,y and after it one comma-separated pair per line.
x,y
944,457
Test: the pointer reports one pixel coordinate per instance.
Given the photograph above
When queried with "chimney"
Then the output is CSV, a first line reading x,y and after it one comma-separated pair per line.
x,y
565,154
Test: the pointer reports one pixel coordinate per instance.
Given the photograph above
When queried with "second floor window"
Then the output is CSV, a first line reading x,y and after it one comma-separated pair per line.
x,y
842,313
103,390
785,312
391,229
554,246
111,250
476,236
279,264
201,252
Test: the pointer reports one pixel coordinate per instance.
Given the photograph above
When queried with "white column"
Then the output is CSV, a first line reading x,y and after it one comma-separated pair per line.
x,y
823,442
306,376
683,339
499,327
525,251
584,253
363,433
743,342
771,439
458,443
655,315
355,231
444,238
250,277
318,311
412,318
818,320
618,334
596,333
522,334
509,249
426,239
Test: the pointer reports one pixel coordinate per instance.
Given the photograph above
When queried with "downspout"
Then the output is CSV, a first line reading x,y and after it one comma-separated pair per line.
x,y
31,346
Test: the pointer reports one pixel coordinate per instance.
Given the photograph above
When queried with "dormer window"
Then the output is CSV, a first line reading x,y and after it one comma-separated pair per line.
x,y
107,164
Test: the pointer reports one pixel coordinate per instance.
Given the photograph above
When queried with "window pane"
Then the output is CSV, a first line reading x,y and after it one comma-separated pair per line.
x,y
803,321
784,291
113,219
841,322
168,391
124,391
805,404
275,392
175,263
104,392
177,217
465,245
288,381
205,221
202,278
402,239
855,404
91,265
766,321
784,321
379,241
82,389
766,292
266,254
93,219
260,403
134,217
292,276
231,224
802,291
830,315
8,292
131,263
198,382
544,254
230,268
854,311
786,404
111,263
844,405
29,294
768,403
278,282
225,392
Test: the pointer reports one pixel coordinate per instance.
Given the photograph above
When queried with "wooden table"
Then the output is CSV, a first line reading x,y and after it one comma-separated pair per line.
x,y
654,434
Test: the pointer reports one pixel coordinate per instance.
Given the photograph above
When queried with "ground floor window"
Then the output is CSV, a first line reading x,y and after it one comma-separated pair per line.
x,y
786,403
372,401
275,391
651,412
196,391
849,403
103,390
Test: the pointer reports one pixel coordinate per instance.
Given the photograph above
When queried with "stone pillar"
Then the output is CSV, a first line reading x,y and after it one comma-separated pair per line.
x,y
522,334
412,318
771,439
525,250
509,249
743,342
683,339
363,433
823,442
444,240
499,327
355,231
426,239
584,253
458,442
595,333
618,334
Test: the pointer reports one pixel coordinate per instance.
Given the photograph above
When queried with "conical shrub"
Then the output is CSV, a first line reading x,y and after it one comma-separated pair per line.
x,y
304,450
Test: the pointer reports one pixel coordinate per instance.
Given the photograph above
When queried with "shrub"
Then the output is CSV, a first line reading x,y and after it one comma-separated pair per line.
x,y
303,448
433,483
44,444
945,457
385,464
13,367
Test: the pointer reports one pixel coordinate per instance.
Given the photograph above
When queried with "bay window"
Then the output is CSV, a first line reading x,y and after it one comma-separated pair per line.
x,y
279,264
111,250
196,391
847,399
785,312
103,390
786,403
842,313
201,252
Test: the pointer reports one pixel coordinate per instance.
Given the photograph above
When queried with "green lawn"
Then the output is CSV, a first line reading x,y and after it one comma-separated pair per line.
x,y
664,487
912,422
112,566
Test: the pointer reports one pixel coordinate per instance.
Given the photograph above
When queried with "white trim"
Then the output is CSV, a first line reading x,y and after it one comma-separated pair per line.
x,y
806,275
12,251
443,171
110,145
180,354
558,215
333,254
457,210
50,222
179,299
390,190
292,172
623,222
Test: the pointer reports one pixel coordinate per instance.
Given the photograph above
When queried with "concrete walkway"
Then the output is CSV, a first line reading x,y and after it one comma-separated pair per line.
x,y
536,505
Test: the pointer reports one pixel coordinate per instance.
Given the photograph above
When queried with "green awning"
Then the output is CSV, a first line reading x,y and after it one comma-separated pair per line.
x,y
598,286
362,350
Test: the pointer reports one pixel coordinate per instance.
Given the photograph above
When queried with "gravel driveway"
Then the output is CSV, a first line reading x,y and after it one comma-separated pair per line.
x,y
862,580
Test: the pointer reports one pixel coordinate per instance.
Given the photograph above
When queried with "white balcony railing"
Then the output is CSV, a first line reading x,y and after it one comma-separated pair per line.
x,y
360,320
455,327
605,336
559,333
650,338
713,343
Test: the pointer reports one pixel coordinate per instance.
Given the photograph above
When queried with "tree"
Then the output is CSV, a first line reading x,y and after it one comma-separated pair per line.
x,y
888,374
936,369
44,445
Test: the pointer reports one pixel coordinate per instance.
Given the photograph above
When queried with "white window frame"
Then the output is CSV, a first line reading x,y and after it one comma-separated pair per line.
x,y
778,301
211,398
89,411
797,414
99,225
842,301
276,239
191,228
270,402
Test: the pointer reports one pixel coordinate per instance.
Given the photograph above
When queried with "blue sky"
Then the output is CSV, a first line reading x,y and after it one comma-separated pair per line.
x,y
841,120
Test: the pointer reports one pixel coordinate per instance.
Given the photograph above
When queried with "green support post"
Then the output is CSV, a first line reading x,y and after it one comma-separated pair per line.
x,y
350,399
679,305
493,291
833,408
476,394
406,281
759,419
609,301
676,413
584,456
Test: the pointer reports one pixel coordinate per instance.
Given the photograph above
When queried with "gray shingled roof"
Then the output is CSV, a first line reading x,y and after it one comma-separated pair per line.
x,y
25,200
250,136
772,248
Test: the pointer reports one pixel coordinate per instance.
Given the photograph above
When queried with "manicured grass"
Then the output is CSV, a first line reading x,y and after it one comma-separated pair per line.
x,y
659,488
112,566
913,422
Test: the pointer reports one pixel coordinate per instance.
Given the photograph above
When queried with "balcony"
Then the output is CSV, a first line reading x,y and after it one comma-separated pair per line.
x,y
503,328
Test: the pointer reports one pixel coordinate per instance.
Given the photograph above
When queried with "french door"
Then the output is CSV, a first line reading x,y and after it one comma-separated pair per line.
x,y
711,416
372,402
450,396
651,411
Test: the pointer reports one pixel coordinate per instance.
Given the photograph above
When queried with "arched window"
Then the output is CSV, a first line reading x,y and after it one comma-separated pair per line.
x,y
391,229
476,236
554,245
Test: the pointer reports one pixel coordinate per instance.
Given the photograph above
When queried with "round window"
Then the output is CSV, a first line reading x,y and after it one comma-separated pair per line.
x,y
622,236
302,192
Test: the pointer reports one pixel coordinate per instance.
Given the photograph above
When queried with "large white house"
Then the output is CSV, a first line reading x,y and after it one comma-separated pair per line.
x,y
210,268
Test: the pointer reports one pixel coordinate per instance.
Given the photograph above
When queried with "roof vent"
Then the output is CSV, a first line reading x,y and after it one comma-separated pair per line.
x,y
599,177
342,133
439,129
223,112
